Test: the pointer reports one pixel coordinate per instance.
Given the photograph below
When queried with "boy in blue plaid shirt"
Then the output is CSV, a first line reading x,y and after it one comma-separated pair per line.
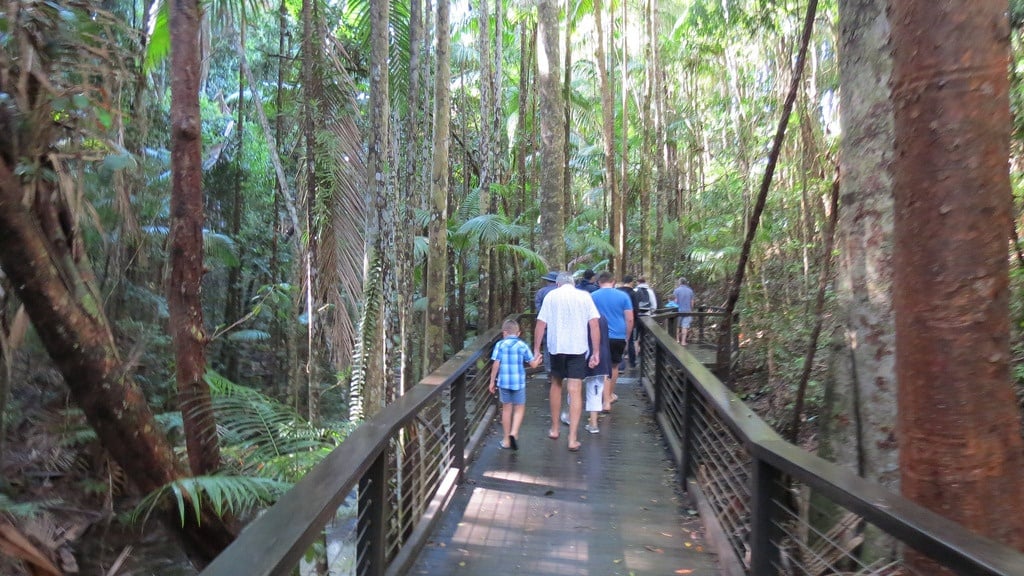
x,y
509,378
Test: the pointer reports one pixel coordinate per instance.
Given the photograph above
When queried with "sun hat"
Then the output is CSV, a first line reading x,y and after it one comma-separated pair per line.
x,y
550,276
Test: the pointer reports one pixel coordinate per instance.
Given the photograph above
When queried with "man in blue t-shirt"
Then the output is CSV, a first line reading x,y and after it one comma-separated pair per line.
x,y
616,307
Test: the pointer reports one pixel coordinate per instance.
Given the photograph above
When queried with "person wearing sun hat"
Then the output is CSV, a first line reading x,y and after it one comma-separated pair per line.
x,y
549,285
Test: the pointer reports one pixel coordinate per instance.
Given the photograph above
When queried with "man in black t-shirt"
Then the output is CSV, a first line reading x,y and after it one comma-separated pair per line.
x,y
627,286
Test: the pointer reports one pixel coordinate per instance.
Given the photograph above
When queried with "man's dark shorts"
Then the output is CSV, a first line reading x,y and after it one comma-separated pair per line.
x,y
618,347
569,366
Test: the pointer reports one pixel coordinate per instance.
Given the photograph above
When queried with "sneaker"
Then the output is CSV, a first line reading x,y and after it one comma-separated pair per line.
x,y
591,429
565,418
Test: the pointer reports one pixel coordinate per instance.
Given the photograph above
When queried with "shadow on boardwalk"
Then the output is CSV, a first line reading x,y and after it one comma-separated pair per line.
x,y
611,508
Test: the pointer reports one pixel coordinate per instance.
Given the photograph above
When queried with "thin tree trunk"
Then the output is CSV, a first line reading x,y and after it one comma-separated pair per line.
x,y
551,115
819,311
488,141
435,329
618,199
607,114
725,343
961,451
186,243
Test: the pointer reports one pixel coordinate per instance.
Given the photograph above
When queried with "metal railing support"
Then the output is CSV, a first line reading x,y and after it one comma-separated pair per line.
x,y
659,380
372,512
764,532
686,458
459,424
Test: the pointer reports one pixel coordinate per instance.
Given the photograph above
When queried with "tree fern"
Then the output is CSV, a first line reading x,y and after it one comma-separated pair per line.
x,y
234,495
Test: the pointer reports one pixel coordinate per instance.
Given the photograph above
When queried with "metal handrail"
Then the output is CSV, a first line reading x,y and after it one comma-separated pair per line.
x,y
274,543
692,406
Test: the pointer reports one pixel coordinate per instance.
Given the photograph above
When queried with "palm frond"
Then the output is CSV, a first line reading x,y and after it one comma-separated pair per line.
x,y
226,494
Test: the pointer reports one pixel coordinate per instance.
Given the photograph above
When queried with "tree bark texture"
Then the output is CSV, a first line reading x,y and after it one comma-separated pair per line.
x,y
607,108
862,417
961,452
488,139
184,300
54,286
552,136
437,257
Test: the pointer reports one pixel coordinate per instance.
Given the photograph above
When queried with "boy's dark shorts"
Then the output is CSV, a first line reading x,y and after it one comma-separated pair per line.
x,y
572,366
618,347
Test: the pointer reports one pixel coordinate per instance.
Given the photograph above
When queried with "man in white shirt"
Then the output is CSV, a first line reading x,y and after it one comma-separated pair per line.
x,y
567,314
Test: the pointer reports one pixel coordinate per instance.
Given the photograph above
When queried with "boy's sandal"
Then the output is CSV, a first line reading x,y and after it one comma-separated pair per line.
x,y
575,448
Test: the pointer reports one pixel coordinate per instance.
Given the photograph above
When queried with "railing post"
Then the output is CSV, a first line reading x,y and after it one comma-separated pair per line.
x,y
372,510
659,380
687,432
764,532
459,424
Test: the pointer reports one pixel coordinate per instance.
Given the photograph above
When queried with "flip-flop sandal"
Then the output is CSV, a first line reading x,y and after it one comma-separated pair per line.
x,y
575,448
503,447
512,441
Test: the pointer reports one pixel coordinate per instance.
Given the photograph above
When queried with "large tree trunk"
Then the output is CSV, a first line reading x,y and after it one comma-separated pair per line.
x,y
53,281
551,115
437,266
861,431
961,452
186,242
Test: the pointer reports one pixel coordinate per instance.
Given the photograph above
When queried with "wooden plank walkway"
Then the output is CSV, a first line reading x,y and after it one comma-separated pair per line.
x,y
612,508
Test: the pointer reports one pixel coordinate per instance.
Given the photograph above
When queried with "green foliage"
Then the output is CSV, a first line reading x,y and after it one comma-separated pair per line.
x,y
234,495
261,436
24,509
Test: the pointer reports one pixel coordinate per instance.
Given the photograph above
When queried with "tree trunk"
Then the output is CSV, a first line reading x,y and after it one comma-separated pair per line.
x,y
725,338
435,329
186,243
607,113
54,284
551,115
618,198
861,427
488,138
961,451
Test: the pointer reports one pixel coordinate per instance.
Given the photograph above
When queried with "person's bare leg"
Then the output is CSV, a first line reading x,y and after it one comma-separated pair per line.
x,y
682,337
575,410
518,411
609,388
593,419
555,402
506,423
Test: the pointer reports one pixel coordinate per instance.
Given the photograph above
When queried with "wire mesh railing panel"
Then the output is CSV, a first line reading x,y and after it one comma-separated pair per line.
x,y
419,455
673,403
478,397
816,537
721,467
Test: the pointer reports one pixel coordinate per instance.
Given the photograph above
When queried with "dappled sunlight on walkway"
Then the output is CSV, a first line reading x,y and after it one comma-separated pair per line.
x,y
611,508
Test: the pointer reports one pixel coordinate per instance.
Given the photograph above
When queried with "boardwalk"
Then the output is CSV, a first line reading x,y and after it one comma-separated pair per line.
x,y
611,508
